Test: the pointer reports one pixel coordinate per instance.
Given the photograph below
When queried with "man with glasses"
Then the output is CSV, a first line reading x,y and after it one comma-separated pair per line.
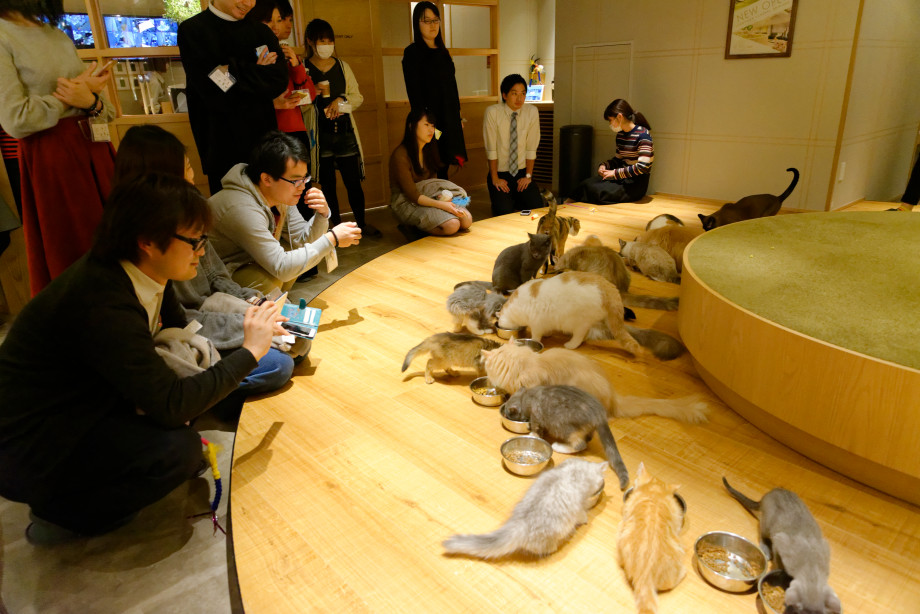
x,y
93,422
258,232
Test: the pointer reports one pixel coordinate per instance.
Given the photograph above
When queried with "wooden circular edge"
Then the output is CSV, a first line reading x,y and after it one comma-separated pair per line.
x,y
853,413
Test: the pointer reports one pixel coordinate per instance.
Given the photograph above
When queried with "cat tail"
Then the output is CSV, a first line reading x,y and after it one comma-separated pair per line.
x,y
749,504
412,353
646,597
662,345
498,543
613,454
485,285
666,303
795,180
685,409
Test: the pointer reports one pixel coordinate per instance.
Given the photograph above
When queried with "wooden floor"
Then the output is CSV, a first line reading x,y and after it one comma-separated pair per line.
x,y
345,483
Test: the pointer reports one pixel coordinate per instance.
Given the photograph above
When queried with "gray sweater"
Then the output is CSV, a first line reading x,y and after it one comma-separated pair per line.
x,y
31,60
225,330
244,226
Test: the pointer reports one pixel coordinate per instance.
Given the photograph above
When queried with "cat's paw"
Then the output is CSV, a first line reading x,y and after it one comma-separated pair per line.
x,y
572,344
563,448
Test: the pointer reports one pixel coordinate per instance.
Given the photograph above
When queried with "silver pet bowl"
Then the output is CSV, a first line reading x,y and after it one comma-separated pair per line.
x,y
484,393
508,333
775,578
728,561
515,426
533,344
593,499
526,454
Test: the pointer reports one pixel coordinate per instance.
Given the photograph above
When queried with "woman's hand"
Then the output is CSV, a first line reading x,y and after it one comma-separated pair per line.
x,y
74,93
348,233
287,101
290,55
611,174
267,57
259,324
601,169
96,83
315,199
332,110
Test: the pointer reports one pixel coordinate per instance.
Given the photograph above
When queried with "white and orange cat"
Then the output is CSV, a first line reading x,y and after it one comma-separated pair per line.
x,y
649,545
512,367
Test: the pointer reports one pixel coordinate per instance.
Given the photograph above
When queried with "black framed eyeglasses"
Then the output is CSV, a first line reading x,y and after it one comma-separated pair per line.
x,y
298,182
431,22
195,243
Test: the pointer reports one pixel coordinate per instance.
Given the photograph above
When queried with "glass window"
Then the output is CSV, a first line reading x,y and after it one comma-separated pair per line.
x,y
473,74
147,86
145,23
467,26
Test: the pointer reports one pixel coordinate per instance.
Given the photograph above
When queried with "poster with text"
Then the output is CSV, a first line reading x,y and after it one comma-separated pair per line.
x,y
760,28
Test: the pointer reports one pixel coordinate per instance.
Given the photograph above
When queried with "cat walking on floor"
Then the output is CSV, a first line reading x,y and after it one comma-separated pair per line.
x,y
519,263
553,507
570,416
790,535
749,207
649,546
450,351
558,227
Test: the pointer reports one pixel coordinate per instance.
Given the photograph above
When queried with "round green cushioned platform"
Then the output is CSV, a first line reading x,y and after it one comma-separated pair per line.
x,y
850,279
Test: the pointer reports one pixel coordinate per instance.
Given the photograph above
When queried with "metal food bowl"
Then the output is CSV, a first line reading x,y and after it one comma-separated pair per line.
x,y
593,499
508,333
738,569
515,426
533,344
526,454
777,577
491,397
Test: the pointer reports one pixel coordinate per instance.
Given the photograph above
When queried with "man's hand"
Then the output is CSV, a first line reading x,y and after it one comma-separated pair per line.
x,y
267,57
348,233
315,200
501,185
522,183
259,324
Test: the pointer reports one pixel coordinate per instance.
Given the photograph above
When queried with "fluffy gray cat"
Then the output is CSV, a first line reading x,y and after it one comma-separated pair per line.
x,y
789,530
570,416
474,307
552,508
520,263
450,351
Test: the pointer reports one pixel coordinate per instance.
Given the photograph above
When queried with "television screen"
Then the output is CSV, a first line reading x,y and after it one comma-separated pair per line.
x,y
76,26
140,31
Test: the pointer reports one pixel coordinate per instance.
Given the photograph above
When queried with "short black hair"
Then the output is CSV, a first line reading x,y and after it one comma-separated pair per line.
x,y
317,29
262,11
147,148
510,81
48,11
272,153
151,207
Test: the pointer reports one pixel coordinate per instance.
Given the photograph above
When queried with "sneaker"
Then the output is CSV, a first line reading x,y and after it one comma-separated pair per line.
x,y
369,232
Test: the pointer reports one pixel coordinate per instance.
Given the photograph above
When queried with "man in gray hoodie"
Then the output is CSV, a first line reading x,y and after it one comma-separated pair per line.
x,y
258,232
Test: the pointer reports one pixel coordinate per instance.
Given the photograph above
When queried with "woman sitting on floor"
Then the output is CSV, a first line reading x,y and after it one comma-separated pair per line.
x,y
417,195
624,177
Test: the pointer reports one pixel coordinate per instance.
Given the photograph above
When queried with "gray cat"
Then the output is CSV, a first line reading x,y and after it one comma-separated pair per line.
x,y
520,263
789,530
570,416
749,207
473,306
450,351
552,508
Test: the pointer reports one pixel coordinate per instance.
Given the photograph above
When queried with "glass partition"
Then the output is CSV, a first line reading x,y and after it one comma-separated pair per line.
x,y
147,86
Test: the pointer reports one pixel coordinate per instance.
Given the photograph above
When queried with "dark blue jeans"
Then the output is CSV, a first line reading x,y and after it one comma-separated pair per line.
x,y
272,372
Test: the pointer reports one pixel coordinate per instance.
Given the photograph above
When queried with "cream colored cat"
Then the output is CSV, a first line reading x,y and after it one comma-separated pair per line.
x,y
672,239
649,545
651,260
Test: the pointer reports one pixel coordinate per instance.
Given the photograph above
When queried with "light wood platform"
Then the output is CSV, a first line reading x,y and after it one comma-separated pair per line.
x,y
345,483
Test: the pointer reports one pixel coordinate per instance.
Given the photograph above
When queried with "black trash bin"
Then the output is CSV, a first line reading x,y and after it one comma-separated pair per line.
x,y
576,144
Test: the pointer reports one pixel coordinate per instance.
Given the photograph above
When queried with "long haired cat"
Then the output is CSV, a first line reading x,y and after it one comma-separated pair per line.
x,y
556,226
672,239
519,263
749,207
792,533
594,257
652,261
551,510
473,306
649,545
664,219
450,351
569,415
512,367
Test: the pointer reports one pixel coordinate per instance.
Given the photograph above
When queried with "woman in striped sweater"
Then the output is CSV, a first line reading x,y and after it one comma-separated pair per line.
x,y
624,177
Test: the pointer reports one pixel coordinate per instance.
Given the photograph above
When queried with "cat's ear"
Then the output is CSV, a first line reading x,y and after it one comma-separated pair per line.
x,y
602,467
640,471
703,218
486,353
622,244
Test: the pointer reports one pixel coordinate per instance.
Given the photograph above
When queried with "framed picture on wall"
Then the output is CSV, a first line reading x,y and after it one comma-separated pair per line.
x,y
121,68
760,28
122,83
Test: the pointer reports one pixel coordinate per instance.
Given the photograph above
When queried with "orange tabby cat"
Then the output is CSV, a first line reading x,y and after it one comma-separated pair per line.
x,y
672,239
649,544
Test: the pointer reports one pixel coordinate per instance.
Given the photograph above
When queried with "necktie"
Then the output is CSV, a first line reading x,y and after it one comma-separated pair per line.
x,y
513,146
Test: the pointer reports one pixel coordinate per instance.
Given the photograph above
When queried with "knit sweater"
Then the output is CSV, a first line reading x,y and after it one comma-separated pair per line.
x,y
636,150
31,60
244,227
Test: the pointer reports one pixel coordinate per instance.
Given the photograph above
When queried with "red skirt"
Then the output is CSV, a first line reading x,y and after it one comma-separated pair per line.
x,y
65,181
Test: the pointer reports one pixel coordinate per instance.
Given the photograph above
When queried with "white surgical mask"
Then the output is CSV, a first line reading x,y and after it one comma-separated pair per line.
x,y
325,51
615,127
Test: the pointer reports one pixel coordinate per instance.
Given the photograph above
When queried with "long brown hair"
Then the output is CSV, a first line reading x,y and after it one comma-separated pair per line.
x,y
621,106
410,141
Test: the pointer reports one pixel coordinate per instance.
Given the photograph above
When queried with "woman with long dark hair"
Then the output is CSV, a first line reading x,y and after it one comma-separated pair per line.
x,y
624,177
431,83
418,197
49,99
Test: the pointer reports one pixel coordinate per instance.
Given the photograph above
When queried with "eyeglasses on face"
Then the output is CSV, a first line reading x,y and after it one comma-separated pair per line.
x,y
431,22
195,243
297,183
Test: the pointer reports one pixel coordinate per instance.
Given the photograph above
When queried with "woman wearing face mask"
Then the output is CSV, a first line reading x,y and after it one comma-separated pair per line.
x,y
431,83
331,126
624,177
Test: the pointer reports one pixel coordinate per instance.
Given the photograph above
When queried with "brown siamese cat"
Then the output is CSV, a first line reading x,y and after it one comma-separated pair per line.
x,y
749,207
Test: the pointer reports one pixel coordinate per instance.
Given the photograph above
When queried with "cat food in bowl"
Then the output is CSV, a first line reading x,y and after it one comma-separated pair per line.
x,y
772,590
526,455
728,561
484,393
515,426
533,344
593,499
508,333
